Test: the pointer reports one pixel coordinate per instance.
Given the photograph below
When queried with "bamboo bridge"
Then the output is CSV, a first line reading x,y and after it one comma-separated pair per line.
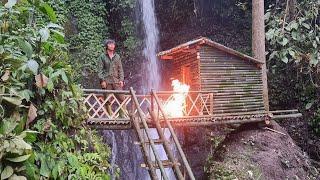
x,y
142,112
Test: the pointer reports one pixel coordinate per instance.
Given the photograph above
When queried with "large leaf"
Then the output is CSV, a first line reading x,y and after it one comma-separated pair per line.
x,y
33,66
30,136
10,3
58,36
21,144
20,158
44,169
16,177
7,172
50,12
13,100
7,126
53,25
26,48
64,76
32,114
41,80
50,85
5,76
26,94
45,34
284,41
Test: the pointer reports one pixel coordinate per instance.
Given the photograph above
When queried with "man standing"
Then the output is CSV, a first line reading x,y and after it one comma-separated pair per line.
x,y
110,72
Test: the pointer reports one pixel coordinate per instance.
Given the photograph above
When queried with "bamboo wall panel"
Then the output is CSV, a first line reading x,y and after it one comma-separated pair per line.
x,y
236,83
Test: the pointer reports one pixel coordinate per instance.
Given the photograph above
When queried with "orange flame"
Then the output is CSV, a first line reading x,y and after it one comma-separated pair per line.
x,y
175,105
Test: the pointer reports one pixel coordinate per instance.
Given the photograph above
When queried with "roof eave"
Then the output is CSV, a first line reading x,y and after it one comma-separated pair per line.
x,y
202,41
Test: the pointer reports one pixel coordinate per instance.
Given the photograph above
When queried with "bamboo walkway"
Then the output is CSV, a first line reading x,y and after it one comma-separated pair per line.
x,y
143,112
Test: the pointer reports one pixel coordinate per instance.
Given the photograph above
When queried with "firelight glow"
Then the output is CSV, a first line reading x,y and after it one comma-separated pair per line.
x,y
175,106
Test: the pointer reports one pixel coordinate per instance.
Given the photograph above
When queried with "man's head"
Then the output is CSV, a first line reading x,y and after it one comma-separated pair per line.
x,y
110,44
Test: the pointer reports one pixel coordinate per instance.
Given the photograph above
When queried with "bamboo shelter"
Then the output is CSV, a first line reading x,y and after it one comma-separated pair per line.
x,y
235,79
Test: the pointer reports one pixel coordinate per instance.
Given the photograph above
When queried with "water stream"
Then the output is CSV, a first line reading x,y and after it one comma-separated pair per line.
x,y
125,154
151,43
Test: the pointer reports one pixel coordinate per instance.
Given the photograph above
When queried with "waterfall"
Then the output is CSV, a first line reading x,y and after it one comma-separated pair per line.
x,y
151,41
114,155
152,81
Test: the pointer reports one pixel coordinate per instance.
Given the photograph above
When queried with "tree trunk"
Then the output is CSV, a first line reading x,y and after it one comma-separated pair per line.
x,y
258,43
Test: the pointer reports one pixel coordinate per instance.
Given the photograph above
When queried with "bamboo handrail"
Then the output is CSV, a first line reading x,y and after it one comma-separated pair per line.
x,y
106,91
175,139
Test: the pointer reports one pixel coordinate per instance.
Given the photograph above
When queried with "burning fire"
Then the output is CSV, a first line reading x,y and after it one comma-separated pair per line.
x,y
175,105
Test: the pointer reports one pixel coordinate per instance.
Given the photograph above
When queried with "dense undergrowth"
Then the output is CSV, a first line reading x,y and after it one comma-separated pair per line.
x,y
42,134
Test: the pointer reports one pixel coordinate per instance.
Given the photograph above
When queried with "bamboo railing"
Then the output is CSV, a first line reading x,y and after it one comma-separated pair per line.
x,y
198,103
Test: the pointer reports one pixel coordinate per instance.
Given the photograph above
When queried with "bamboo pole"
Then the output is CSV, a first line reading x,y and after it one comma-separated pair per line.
x,y
151,168
219,82
175,139
296,115
284,111
222,111
105,91
166,146
229,79
224,67
140,113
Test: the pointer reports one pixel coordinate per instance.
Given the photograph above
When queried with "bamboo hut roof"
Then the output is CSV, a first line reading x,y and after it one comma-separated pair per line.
x,y
188,46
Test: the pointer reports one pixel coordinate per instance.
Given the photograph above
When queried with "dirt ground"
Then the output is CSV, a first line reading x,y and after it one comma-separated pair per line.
x,y
251,152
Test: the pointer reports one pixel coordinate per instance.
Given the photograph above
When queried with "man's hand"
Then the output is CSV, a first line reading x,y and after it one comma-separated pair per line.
x,y
103,84
121,84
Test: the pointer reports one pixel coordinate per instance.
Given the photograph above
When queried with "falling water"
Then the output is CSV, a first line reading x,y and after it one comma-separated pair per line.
x,y
114,156
151,42
152,81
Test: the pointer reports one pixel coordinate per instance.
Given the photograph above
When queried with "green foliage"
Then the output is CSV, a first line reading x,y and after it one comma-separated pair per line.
x,y
90,23
293,42
296,39
87,36
123,28
41,128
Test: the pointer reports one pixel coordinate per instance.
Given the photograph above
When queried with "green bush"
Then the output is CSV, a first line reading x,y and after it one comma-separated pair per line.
x,y
42,130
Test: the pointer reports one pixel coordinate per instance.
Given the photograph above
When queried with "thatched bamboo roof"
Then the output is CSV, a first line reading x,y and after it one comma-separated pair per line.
x,y
189,46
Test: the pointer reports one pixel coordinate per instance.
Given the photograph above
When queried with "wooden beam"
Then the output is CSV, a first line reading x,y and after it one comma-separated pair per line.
x,y
166,57
258,43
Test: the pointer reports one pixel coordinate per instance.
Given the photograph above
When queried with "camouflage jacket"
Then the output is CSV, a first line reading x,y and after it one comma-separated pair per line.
x,y
110,70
